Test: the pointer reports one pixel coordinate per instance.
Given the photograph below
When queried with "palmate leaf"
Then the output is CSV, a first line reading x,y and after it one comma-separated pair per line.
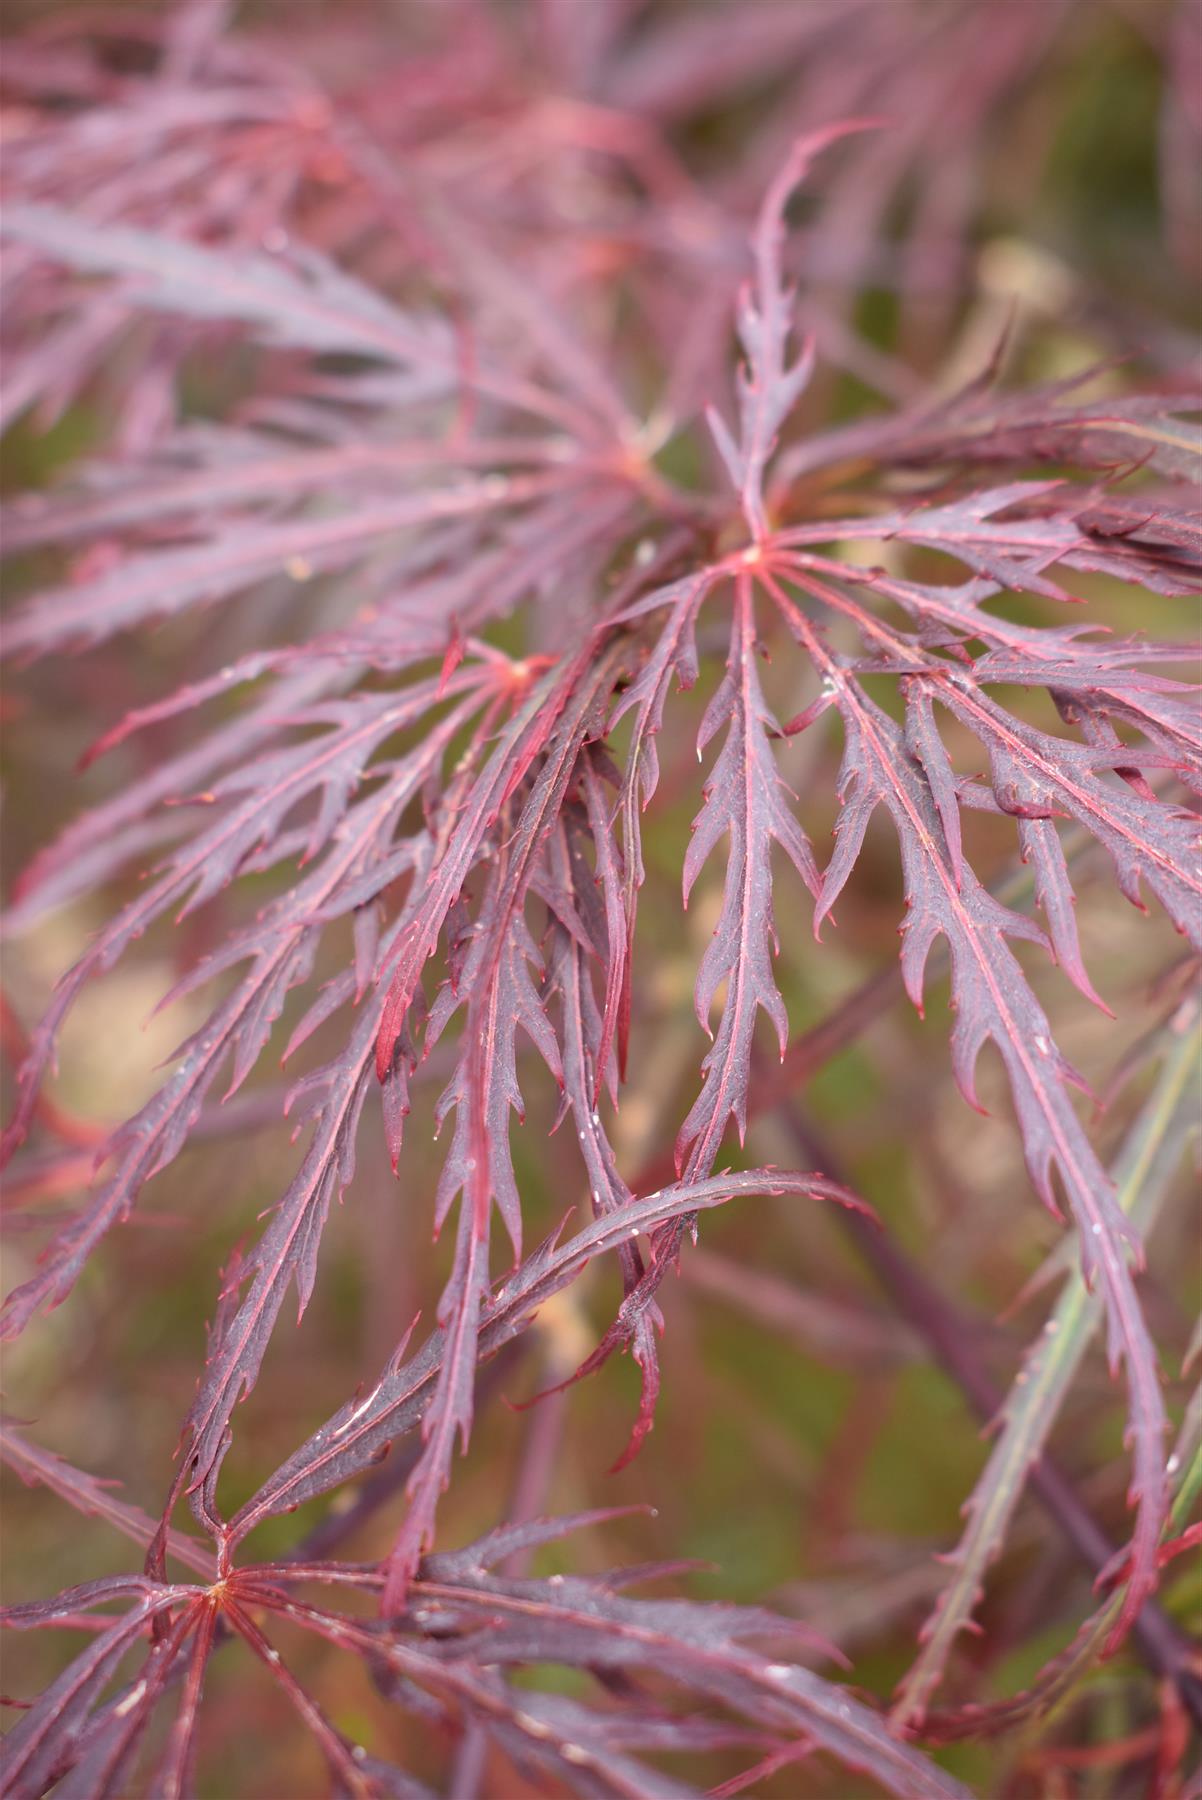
x,y
466,1625
483,1091
592,1624
1036,778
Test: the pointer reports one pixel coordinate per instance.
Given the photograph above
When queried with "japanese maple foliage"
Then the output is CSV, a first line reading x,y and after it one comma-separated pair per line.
x,y
496,529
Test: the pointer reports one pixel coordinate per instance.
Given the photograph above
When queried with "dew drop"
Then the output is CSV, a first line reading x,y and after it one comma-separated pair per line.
x,y
130,1701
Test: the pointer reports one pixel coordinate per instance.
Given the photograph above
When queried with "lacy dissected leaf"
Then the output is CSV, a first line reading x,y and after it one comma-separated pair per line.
x,y
1142,1175
333,1096
360,858
994,1003
1014,534
215,469
673,654
1036,776
983,425
74,1733
495,984
95,1498
465,1625
311,304
533,724
45,1741
1142,429
588,1061
479,1618
287,1253
358,1433
134,819
746,799
166,582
